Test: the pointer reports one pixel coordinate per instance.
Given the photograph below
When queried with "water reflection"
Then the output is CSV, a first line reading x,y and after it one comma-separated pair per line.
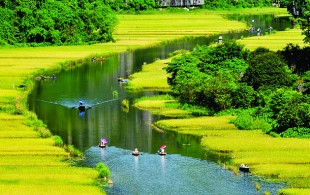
x,y
172,174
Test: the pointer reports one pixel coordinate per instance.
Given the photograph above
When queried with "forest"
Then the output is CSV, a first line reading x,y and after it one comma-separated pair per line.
x,y
49,22
76,22
267,90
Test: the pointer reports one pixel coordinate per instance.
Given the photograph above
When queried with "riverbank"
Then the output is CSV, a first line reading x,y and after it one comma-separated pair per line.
x,y
33,165
287,161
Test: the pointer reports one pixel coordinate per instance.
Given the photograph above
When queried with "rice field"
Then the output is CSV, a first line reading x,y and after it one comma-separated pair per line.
x,y
278,159
275,41
152,77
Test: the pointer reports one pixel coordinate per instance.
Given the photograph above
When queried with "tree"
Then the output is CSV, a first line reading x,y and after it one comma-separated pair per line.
x,y
268,70
7,28
306,80
297,58
300,9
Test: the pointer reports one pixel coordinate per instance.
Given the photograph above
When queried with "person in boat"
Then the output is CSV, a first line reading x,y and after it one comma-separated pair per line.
x,y
82,107
102,144
161,151
136,151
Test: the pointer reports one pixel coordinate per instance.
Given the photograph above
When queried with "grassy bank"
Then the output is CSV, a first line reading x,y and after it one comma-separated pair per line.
x,y
278,159
32,165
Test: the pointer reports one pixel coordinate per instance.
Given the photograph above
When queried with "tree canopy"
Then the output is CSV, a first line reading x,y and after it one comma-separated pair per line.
x,y
55,22
227,76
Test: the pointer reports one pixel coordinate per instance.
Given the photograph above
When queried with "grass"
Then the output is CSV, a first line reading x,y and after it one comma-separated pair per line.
x,y
152,77
275,41
32,165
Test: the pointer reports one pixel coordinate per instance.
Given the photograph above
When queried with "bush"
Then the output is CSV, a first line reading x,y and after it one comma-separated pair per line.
x,y
58,141
103,170
296,132
246,121
73,151
43,132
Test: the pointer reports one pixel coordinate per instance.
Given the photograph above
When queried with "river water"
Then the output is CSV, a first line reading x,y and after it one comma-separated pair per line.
x,y
187,169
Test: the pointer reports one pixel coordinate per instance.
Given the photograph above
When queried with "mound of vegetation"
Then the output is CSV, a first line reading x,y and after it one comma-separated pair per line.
x,y
260,83
60,22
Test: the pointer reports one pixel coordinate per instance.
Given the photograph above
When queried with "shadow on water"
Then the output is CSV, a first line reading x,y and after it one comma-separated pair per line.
x,y
185,170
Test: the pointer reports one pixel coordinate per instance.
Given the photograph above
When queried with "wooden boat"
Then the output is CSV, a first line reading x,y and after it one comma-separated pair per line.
x,y
102,146
244,168
162,153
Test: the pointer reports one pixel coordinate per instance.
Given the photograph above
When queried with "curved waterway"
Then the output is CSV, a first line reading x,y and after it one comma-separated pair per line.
x,y
187,169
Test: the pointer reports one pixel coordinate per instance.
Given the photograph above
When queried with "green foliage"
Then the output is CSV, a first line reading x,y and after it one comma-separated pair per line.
x,y
39,23
222,4
197,110
246,121
244,96
73,151
212,77
296,58
296,132
58,141
209,75
103,170
306,81
268,70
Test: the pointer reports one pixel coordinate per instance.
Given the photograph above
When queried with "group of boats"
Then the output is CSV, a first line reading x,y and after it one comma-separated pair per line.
x,y
161,151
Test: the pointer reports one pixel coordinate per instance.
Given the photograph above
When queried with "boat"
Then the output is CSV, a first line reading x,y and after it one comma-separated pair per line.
x,y
244,168
162,153
135,153
102,145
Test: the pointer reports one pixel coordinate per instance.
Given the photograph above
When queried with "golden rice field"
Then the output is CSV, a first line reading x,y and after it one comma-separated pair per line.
x,y
152,77
276,41
279,159
33,165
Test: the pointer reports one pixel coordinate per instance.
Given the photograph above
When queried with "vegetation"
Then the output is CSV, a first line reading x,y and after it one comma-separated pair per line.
x,y
228,76
60,22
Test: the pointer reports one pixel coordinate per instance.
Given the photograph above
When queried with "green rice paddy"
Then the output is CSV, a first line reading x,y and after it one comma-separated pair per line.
x,y
33,165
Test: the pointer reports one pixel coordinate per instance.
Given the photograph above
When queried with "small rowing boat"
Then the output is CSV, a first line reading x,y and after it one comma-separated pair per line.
x,y
244,168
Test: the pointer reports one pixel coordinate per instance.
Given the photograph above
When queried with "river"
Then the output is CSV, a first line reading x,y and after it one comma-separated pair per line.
x,y
187,169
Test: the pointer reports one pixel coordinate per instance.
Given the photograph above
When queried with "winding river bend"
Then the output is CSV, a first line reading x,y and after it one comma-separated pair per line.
x,y
187,169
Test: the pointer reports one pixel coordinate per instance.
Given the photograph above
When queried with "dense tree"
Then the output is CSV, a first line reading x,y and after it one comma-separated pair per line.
x,y
268,70
306,81
209,75
57,22
298,59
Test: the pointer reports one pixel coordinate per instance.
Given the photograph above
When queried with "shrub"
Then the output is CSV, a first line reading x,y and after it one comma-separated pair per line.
x,y
296,132
73,151
58,141
43,132
103,170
